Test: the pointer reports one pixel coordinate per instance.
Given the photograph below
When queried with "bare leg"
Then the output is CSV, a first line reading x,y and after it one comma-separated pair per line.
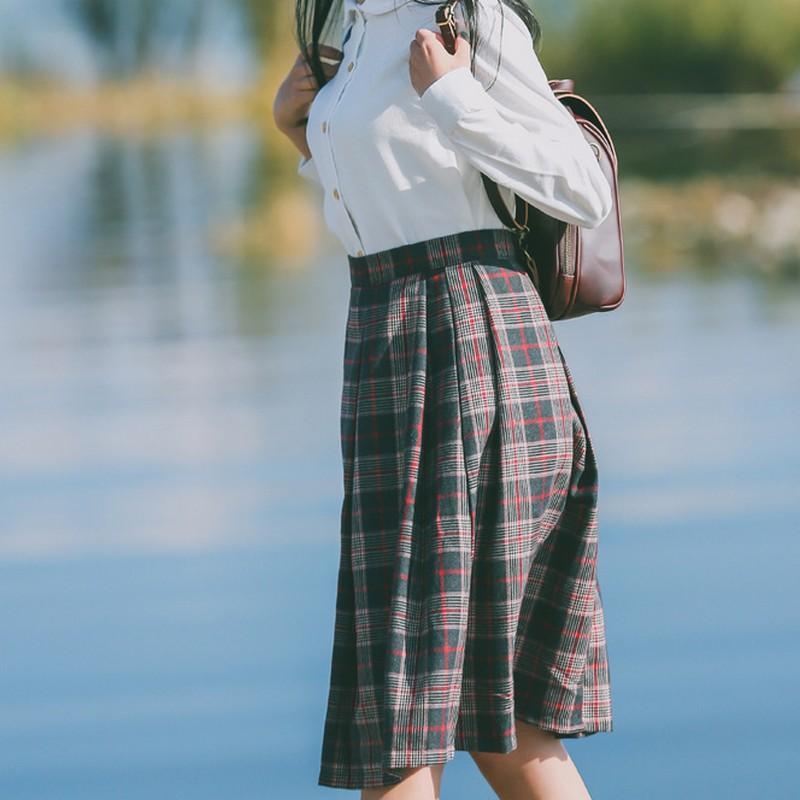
x,y
539,769
420,783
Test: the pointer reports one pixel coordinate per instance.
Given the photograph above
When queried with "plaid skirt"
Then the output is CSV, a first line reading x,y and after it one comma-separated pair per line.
x,y
467,590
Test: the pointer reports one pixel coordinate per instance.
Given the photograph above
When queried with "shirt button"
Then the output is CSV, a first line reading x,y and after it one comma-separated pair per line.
x,y
336,193
350,66
360,252
324,127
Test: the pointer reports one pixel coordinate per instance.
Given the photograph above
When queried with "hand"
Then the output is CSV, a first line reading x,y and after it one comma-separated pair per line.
x,y
429,59
295,95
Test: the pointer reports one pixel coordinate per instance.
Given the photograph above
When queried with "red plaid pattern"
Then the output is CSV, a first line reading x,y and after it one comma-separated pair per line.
x,y
467,591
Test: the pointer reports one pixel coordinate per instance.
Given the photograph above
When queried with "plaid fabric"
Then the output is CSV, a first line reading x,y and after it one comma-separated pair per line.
x,y
467,588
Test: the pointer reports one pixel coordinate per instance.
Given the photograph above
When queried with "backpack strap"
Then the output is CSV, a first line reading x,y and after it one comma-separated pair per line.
x,y
519,223
520,219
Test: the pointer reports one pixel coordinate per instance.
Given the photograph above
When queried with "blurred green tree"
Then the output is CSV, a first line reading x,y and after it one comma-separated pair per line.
x,y
265,21
128,35
678,45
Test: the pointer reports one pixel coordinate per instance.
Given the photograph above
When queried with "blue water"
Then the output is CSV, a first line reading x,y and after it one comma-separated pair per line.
x,y
170,485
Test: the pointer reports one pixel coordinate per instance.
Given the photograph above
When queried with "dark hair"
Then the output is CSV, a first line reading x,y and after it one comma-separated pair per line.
x,y
312,18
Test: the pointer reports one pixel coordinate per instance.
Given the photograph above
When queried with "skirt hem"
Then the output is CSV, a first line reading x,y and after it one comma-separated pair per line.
x,y
374,777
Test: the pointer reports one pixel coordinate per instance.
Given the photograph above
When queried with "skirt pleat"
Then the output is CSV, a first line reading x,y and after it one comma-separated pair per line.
x,y
467,591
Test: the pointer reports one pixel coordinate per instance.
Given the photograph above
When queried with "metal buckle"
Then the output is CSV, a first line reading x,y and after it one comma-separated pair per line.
x,y
521,231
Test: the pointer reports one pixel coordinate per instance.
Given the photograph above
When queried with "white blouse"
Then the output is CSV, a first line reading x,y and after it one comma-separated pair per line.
x,y
397,168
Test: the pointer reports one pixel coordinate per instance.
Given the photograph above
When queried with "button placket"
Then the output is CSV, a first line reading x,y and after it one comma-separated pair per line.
x,y
326,128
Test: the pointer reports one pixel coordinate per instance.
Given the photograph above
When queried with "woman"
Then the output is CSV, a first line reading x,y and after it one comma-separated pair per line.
x,y
468,613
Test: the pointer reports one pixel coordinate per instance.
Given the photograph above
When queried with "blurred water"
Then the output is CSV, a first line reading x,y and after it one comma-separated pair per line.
x,y
81,41
170,486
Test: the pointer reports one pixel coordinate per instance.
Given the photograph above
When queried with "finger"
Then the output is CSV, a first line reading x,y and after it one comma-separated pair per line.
x,y
303,70
306,82
329,56
326,51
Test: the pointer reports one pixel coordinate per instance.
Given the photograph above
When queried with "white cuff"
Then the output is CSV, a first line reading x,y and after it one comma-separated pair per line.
x,y
453,94
307,169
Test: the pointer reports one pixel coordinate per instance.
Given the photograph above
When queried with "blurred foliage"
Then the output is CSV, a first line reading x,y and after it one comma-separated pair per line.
x,y
717,224
138,105
268,23
127,34
677,45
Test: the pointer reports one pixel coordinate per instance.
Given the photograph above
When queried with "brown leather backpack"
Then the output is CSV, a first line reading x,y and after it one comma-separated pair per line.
x,y
576,270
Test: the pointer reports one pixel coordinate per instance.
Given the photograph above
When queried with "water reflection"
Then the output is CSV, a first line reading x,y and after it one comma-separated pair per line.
x,y
83,40
133,217
170,486
131,349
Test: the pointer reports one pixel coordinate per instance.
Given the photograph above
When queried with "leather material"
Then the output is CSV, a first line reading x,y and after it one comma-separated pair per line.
x,y
576,270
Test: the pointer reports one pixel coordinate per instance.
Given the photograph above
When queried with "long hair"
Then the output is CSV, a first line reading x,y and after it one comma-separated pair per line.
x,y
312,18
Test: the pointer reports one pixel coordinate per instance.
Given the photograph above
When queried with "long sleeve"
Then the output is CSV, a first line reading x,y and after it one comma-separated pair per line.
x,y
307,169
517,131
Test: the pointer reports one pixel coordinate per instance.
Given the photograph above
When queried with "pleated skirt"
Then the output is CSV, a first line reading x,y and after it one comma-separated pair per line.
x,y
467,591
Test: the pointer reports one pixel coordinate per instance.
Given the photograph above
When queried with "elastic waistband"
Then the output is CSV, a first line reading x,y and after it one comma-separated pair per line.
x,y
427,256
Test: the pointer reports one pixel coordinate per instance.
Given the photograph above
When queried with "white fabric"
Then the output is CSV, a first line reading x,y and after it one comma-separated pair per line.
x,y
397,168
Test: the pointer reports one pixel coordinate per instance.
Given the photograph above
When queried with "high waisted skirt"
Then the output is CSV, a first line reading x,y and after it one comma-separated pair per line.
x,y
467,591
